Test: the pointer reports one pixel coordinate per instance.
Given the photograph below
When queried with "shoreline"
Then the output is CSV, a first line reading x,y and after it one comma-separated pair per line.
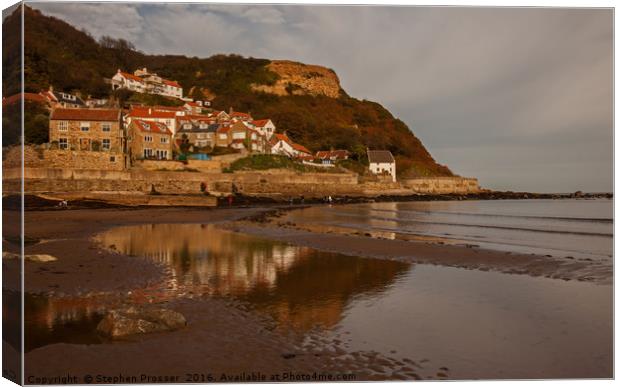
x,y
38,202
68,235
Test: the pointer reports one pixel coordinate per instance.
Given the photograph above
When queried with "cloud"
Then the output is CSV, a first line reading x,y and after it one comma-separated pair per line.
x,y
114,19
521,97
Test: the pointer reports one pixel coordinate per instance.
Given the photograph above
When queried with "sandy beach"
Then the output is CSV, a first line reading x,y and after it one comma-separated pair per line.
x,y
230,337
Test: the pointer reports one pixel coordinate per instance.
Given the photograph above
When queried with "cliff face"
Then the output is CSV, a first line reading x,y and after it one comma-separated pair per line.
x,y
301,79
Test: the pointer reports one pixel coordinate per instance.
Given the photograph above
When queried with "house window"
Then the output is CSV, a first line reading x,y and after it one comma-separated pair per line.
x,y
112,159
63,126
84,126
164,140
147,153
187,126
161,154
223,136
62,143
106,126
105,144
148,138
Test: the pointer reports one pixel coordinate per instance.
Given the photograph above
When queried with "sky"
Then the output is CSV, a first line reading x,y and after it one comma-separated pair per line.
x,y
520,98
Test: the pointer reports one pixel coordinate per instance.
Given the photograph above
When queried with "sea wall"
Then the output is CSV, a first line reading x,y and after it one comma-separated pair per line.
x,y
173,165
275,183
443,185
272,182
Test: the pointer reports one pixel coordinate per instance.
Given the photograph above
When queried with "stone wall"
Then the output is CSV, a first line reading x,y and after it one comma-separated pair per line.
x,y
274,182
173,165
39,157
443,185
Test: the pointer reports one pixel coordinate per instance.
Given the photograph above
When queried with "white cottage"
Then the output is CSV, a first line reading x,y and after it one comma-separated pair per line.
x,y
265,127
382,163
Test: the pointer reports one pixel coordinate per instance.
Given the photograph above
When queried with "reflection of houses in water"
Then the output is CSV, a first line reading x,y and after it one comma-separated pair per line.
x,y
299,287
50,320
49,311
222,261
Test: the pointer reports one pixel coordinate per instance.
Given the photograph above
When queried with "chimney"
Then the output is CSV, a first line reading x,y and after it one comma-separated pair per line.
x,y
230,111
51,88
150,111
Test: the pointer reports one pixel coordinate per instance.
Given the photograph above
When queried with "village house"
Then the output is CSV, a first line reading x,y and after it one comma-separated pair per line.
x,y
123,80
143,81
197,133
222,136
149,140
194,107
281,144
97,102
87,130
164,115
220,115
244,138
62,99
332,156
381,162
239,116
265,127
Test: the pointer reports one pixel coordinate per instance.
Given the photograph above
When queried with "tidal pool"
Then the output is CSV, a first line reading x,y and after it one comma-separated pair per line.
x,y
477,324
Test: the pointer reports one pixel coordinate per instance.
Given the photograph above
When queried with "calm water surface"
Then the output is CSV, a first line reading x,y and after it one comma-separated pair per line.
x,y
478,324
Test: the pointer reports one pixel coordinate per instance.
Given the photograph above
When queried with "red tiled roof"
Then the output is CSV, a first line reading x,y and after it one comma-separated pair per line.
x,y
240,114
169,108
260,123
27,96
142,112
281,137
131,76
171,83
86,114
300,148
151,127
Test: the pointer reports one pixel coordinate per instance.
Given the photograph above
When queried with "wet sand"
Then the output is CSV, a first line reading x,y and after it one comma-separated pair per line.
x,y
274,225
223,336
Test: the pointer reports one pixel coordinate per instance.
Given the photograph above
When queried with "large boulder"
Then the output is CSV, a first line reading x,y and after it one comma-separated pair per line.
x,y
133,321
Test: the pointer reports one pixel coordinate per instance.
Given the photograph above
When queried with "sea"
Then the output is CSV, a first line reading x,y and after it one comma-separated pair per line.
x,y
578,228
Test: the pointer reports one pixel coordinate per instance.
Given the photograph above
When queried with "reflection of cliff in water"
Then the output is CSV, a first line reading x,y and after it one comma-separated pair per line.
x,y
299,286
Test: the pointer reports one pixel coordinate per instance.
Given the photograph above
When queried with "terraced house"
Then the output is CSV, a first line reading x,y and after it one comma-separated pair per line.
x,y
87,130
149,140
199,133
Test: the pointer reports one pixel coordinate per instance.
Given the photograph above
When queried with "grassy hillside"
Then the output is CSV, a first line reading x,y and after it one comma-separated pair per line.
x,y
58,54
